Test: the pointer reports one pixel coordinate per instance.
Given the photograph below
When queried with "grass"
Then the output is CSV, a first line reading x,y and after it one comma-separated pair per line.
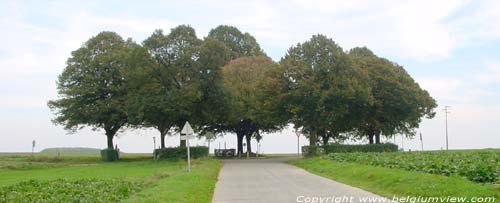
x,y
396,182
196,186
161,181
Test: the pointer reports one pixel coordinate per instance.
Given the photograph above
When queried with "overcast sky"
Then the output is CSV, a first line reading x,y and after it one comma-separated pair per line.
x,y
452,48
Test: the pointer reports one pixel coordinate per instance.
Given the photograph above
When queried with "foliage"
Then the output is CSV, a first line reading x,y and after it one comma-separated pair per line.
x,y
327,94
477,166
343,148
239,44
398,101
63,190
91,87
110,155
181,152
255,94
385,147
180,81
390,182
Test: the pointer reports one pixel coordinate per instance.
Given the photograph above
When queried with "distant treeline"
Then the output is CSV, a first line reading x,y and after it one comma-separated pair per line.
x,y
71,150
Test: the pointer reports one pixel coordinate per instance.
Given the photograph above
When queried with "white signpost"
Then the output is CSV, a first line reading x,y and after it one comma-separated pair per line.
x,y
186,134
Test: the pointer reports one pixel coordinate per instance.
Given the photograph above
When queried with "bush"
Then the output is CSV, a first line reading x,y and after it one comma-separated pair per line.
x,y
181,152
109,155
341,148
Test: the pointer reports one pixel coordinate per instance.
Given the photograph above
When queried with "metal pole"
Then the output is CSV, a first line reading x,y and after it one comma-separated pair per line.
x,y
297,132
188,154
421,142
402,142
298,145
446,112
154,142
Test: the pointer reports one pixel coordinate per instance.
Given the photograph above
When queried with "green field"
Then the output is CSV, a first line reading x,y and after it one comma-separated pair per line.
x,y
135,178
402,174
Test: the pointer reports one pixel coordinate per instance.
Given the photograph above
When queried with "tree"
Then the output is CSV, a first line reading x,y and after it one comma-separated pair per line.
x,y
254,87
182,82
326,93
239,44
92,87
398,101
211,111
173,91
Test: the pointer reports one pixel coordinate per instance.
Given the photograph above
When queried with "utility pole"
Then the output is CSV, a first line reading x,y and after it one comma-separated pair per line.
x,y
446,112
421,142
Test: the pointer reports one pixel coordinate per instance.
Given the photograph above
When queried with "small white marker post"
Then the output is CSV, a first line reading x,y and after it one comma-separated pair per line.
x,y
188,132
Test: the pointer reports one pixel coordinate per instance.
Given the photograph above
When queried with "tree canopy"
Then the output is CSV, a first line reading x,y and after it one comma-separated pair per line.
x,y
239,44
398,101
327,93
226,83
254,93
92,87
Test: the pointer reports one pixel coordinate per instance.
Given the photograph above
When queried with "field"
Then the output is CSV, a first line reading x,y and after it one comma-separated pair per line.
x,y
479,166
469,174
84,178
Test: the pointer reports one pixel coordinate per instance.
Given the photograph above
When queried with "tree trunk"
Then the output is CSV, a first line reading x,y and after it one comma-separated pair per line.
x,y
313,138
110,136
325,139
162,139
370,137
377,137
249,145
240,136
163,133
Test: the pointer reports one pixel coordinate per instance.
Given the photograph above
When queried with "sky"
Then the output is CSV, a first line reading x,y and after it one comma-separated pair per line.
x,y
451,48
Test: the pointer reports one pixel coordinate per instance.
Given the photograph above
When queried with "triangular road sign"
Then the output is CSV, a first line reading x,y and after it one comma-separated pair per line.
x,y
187,130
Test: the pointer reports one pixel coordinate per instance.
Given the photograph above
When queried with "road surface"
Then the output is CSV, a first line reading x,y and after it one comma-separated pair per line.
x,y
273,181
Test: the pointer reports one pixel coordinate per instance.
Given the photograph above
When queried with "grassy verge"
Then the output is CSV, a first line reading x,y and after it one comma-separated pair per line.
x,y
395,182
137,178
196,186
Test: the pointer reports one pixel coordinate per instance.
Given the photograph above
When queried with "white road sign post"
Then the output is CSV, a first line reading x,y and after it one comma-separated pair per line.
x,y
186,134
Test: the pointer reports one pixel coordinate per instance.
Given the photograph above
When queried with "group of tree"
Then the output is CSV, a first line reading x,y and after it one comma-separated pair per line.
x,y
225,83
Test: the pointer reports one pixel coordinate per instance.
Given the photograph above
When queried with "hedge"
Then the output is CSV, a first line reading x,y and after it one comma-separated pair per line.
x,y
181,152
109,155
342,148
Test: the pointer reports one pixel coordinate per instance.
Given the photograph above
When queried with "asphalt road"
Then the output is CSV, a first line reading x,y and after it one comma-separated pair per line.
x,y
272,180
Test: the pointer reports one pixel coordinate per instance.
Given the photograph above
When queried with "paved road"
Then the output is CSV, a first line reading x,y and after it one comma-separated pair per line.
x,y
272,180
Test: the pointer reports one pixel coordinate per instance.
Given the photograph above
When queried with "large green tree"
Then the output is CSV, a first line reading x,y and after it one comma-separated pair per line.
x,y
92,86
255,89
180,82
398,104
173,73
327,94
239,45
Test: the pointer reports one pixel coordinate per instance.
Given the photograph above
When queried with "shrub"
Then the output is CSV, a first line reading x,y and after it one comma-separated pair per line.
x,y
341,148
181,152
109,155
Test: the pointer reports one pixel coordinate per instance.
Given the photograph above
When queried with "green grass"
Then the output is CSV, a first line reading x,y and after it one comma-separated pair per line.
x,y
196,186
396,182
162,181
